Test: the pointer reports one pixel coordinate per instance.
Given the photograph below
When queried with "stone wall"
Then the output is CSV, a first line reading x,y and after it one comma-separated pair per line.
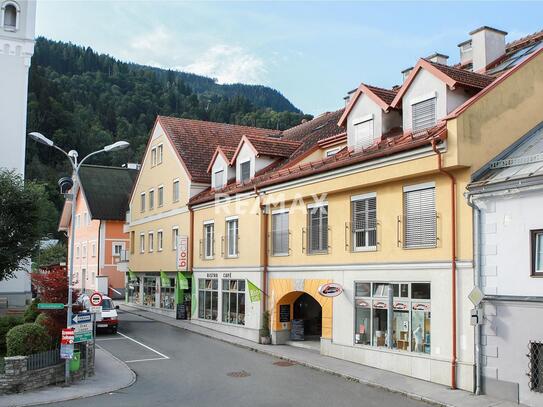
x,y
16,378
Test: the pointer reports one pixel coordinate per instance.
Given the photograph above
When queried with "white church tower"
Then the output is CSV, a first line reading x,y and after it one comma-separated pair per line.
x,y
17,27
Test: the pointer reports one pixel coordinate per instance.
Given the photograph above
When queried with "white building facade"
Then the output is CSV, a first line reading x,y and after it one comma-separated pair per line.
x,y
17,27
508,194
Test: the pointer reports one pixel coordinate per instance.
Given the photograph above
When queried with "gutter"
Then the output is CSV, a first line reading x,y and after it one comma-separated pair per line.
x,y
453,259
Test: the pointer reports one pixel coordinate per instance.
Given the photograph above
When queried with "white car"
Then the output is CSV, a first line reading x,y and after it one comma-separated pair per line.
x,y
110,319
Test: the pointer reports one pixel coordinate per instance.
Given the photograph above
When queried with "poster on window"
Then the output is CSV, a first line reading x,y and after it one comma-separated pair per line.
x,y
182,253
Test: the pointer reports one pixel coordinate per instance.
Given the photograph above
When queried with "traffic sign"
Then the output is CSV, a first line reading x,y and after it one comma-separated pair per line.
x,y
83,332
476,296
95,309
96,298
50,305
67,337
82,317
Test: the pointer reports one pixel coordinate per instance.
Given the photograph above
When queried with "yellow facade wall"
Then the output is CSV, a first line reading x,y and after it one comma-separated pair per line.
x,y
170,214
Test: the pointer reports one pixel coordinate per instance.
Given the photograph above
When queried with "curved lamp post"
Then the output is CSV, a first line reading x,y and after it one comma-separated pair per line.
x,y
72,157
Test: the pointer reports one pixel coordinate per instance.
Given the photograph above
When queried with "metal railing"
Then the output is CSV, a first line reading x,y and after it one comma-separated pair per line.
x,y
279,243
316,240
418,231
361,237
43,359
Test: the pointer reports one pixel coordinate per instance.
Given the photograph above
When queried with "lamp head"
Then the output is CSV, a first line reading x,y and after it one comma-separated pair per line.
x,y
40,138
119,145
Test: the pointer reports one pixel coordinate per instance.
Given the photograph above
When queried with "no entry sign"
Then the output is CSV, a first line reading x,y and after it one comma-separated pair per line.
x,y
96,299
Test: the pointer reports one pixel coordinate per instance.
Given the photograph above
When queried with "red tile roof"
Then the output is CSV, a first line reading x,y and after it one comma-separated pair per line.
x,y
387,95
463,77
383,98
524,42
273,147
387,146
196,141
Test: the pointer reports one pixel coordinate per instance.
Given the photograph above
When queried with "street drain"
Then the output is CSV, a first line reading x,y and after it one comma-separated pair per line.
x,y
241,373
283,363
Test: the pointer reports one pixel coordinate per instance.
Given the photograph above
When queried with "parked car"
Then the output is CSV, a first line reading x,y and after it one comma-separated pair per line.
x,y
109,318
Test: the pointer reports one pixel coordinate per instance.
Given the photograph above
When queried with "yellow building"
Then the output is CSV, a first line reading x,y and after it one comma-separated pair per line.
x,y
353,225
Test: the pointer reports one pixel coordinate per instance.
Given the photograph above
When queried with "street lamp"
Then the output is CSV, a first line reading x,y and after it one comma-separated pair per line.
x,y
72,157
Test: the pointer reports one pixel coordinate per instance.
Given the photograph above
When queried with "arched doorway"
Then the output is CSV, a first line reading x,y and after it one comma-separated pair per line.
x,y
308,310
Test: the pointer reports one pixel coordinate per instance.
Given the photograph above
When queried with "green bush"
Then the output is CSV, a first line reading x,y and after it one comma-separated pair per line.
x,y
41,319
27,339
6,323
31,312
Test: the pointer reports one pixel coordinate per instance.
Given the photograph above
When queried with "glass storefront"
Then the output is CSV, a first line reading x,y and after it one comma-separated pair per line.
x,y
208,296
167,295
410,319
134,295
233,301
149,291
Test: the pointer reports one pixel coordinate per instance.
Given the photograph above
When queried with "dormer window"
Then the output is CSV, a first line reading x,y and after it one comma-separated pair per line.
x,y
218,179
363,132
10,17
245,171
424,114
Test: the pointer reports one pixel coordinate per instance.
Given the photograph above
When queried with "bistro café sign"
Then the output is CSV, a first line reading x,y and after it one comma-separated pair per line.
x,y
330,290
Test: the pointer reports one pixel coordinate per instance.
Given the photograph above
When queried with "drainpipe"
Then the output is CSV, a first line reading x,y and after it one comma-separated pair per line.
x,y
191,239
264,249
477,282
453,258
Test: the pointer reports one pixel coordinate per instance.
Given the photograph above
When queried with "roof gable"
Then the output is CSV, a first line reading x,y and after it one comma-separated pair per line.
x,y
382,97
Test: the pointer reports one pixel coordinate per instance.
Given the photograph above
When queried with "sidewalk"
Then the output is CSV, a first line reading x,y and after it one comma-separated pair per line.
x,y
110,375
412,388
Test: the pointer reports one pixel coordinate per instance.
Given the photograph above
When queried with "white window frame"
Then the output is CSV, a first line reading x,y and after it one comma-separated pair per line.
x,y
153,157
208,255
324,250
151,199
122,246
220,170
160,196
232,251
421,99
17,16
413,188
361,144
142,243
241,180
176,196
363,197
276,213
175,236
151,243
160,154
159,240
143,203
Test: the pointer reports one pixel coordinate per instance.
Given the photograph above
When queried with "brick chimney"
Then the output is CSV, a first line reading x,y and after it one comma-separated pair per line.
x,y
488,44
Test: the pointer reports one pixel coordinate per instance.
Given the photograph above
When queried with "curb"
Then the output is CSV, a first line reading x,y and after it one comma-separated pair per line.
x,y
109,390
381,386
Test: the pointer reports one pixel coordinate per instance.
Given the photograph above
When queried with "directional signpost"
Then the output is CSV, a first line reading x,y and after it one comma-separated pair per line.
x,y
83,327
52,305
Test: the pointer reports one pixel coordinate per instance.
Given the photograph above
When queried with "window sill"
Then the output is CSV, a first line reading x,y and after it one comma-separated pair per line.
x,y
280,255
419,247
232,257
208,258
364,249
317,253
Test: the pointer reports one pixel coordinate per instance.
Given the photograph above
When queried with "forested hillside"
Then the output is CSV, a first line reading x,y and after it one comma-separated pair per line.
x,y
84,100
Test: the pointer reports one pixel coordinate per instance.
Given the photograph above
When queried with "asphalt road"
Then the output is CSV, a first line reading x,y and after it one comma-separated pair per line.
x,y
175,367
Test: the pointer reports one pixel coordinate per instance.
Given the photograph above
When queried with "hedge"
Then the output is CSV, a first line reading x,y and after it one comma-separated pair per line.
x,y
41,319
27,339
31,312
6,323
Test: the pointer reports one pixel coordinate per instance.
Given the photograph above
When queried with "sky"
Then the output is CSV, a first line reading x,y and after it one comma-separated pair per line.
x,y
313,52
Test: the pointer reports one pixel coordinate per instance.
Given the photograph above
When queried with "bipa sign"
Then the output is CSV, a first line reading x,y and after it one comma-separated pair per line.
x,y
330,290
182,253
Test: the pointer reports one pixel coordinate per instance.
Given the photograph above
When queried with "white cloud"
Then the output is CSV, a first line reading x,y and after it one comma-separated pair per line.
x,y
229,64
226,63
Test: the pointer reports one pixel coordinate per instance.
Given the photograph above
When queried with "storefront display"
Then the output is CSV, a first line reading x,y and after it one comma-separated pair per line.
x,y
134,294
149,291
410,319
167,294
233,301
208,296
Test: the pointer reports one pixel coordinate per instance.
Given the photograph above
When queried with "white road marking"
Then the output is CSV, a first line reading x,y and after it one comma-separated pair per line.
x,y
145,346
144,360
110,339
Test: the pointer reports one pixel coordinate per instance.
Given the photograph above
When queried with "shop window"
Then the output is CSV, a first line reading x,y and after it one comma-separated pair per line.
x,y
134,295
167,294
280,234
208,296
537,252
149,291
317,226
233,301
232,238
410,315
